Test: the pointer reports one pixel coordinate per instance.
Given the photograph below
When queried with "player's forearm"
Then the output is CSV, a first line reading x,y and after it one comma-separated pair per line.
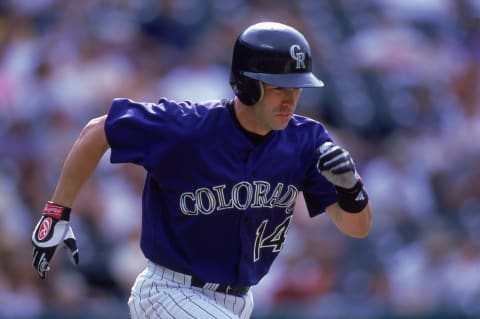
x,y
355,225
81,161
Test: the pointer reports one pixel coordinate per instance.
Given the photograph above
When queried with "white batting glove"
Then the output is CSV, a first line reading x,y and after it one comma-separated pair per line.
x,y
337,165
52,229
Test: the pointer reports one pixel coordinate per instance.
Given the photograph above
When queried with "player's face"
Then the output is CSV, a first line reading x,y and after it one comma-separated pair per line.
x,y
277,106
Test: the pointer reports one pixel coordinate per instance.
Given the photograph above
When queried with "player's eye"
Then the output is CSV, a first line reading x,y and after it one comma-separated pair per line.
x,y
277,88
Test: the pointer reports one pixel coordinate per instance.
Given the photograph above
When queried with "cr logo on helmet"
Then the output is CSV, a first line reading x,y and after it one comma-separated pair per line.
x,y
297,55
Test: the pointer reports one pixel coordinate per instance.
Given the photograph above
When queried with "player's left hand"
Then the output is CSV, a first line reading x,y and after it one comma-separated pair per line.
x,y
52,229
336,164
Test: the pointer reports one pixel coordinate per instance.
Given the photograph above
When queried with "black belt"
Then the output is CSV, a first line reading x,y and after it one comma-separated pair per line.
x,y
226,289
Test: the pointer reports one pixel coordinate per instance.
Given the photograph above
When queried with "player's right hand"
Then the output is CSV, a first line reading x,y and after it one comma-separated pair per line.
x,y
52,229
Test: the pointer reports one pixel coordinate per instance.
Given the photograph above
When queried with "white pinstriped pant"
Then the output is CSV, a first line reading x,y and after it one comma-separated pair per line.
x,y
160,292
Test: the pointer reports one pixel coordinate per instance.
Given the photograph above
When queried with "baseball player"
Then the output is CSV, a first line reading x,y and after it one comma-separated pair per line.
x,y
222,180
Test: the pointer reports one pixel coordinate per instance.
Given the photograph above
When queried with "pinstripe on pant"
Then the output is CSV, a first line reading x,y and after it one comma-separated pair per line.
x,y
159,292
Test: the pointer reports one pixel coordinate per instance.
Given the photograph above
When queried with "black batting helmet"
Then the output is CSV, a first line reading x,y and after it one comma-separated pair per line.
x,y
273,53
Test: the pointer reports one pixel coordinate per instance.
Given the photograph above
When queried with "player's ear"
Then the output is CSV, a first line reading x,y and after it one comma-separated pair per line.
x,y
261,90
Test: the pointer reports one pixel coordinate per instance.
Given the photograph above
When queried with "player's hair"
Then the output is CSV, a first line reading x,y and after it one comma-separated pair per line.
x,y
273,53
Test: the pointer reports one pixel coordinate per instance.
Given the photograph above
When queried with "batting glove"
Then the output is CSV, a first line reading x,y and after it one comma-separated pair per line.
x,y
336,164
52,229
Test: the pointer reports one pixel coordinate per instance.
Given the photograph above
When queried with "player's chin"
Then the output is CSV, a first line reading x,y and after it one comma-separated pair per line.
x,y
281,121
278,126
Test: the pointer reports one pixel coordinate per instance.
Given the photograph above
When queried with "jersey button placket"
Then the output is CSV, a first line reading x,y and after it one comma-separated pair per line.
x,y
247,233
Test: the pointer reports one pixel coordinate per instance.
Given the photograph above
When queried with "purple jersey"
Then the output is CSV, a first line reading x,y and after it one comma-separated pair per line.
x,y
215,205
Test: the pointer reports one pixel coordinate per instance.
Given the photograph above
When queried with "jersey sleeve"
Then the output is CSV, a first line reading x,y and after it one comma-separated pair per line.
x,y
134,128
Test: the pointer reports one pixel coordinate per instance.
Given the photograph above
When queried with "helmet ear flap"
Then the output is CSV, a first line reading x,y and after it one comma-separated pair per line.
x,y
248,91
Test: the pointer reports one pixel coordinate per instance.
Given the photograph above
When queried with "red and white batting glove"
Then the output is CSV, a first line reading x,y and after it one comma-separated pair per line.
x,y
52,229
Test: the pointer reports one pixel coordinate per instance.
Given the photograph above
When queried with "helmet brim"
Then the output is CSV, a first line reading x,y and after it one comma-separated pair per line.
x,y
287,80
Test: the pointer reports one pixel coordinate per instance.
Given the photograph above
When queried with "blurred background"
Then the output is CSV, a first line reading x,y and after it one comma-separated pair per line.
x,y
402,94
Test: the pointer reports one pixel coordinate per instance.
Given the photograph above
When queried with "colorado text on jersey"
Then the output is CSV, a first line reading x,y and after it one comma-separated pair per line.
x,y
243,195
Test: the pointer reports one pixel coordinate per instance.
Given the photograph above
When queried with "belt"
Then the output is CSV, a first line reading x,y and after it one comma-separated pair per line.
x,y
226,289
166,273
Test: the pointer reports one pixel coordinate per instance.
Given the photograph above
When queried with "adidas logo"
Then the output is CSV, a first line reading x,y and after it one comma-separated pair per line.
x,y
360,197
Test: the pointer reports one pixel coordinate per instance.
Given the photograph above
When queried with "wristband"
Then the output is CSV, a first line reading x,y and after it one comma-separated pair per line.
x,y
56,211
352,200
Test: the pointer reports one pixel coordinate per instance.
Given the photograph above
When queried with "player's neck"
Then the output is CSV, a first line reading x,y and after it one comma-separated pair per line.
x,y
247,119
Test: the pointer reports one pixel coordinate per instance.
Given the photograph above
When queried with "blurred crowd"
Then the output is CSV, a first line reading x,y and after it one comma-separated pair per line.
x,y
402,94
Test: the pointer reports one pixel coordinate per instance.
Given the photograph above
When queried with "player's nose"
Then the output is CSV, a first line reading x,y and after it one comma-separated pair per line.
x,y
290,96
